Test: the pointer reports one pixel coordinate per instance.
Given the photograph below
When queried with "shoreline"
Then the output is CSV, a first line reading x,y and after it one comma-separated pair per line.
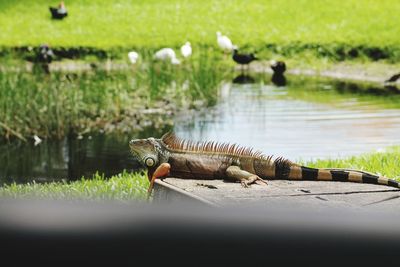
x,y
372,72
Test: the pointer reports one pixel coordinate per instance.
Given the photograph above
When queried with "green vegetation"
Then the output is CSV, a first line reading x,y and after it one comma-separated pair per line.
x,y
386,163
141,98
337,29
305,33
80,102
126,186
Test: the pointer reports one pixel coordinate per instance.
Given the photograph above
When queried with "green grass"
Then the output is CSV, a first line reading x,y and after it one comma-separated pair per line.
x,y
80,102
127,186
144,98
287,26
386,163
123,187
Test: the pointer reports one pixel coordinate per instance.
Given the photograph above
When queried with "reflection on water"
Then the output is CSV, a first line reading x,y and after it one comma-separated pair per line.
x,y
280,121
278,79
243,79
68,159
306,119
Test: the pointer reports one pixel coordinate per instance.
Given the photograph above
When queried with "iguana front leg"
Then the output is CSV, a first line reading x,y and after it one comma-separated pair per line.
x,y
246,178
161,171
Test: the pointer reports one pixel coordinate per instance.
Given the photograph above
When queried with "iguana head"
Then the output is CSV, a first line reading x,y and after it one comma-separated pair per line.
x,y
146,151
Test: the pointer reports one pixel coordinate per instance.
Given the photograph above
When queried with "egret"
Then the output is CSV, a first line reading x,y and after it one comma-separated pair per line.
x,y
175,61
133,57
186,50
165,54
224,42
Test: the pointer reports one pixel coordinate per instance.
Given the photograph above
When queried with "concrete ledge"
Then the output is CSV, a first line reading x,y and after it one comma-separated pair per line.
x,y
168,193
315,194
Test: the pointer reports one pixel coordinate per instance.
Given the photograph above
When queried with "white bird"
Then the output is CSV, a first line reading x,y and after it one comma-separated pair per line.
x,y
186,50
165,54
175,61
133,57
37,140
224,42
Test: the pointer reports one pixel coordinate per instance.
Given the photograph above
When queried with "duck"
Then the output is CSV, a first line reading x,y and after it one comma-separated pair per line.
x,y
59,12
224,42
243,59
186,50
43,57
133,57
278,67
165,54
44,54
393,78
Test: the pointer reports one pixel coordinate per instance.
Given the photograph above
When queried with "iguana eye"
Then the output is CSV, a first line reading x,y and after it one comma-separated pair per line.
x,y
149,162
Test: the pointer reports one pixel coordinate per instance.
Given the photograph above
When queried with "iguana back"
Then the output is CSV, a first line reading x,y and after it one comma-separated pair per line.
x,y
211,160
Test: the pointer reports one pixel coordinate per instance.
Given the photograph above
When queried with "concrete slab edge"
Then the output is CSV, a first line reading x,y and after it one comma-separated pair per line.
x,y
179,191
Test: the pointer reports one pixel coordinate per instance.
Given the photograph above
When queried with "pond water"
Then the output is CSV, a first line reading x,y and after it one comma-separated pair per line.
x,y
279,122
304,120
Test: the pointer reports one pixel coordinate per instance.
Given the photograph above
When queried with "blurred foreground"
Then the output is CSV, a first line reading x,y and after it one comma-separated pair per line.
x,y
117,233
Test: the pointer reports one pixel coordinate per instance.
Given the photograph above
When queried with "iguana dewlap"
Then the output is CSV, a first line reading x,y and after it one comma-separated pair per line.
x,y
171,156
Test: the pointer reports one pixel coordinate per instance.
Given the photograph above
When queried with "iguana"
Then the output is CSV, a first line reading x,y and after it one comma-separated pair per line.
x,y
171,156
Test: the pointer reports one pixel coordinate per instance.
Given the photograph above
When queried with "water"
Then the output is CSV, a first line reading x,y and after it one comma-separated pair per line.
x,y
277,122
305,120
68,159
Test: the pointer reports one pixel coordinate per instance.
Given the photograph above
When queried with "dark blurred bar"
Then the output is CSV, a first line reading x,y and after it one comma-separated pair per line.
x,y
75,232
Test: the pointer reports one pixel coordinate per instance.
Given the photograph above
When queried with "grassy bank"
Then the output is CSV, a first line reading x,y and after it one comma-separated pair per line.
x,y
125,186
337,29
133,186
146,97
386,163
80,102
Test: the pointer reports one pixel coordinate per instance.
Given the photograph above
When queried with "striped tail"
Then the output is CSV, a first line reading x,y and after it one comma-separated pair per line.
x,y
342,175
